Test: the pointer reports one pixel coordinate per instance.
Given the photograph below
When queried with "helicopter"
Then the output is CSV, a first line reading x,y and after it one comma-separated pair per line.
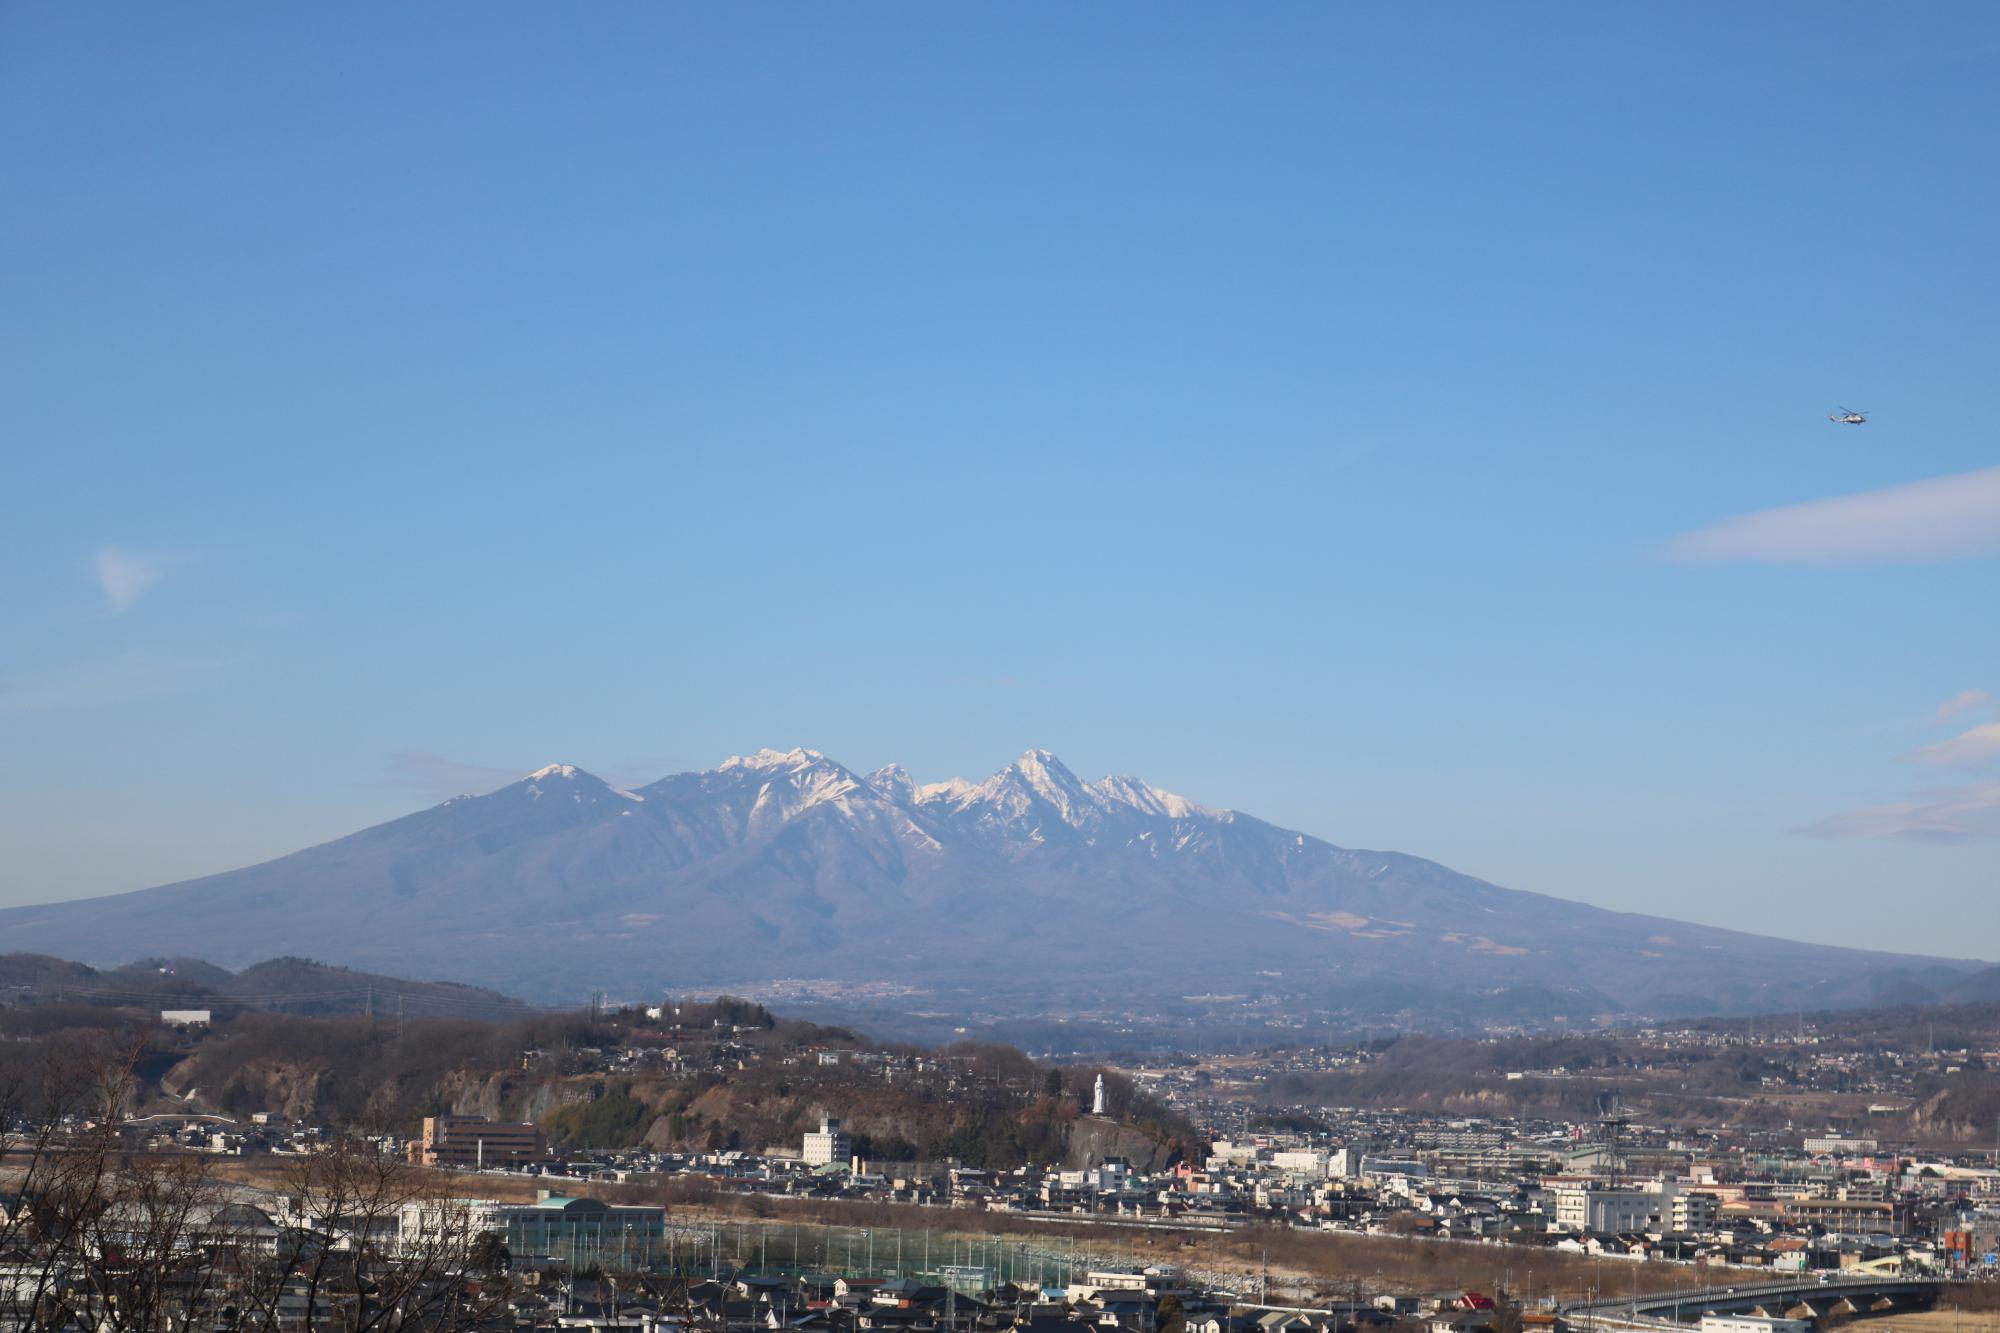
x,y
1847,416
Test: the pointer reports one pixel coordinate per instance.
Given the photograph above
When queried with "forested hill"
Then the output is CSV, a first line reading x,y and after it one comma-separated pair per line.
x,y
709,1075
279,985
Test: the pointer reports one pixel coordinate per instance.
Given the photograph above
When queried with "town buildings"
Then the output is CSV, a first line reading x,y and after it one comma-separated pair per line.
x,y
826,1146
474,1142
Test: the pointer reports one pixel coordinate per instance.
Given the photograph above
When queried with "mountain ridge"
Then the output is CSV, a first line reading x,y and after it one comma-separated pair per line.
x,y
278,985
1027,891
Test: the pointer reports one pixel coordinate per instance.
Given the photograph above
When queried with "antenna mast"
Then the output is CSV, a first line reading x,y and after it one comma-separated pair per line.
x,y
1611,1125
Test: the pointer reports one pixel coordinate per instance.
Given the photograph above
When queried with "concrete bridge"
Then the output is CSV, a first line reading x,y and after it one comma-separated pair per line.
x,y
1807,1297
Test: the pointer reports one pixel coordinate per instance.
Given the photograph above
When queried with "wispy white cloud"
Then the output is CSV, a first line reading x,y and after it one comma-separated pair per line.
x,y
441,778
124,575
1965,701
1948,815
1944,814
1969,749
1939,518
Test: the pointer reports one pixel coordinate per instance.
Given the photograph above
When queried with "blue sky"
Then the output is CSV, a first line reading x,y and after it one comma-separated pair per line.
x,y
1400,422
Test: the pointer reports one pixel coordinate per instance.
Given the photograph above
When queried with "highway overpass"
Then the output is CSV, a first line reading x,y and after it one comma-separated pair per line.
x,y
1805,1297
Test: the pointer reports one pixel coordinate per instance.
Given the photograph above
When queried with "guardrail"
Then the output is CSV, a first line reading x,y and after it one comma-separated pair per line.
x,y
1643,1311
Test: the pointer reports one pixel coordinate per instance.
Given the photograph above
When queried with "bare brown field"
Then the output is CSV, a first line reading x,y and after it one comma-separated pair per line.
x,y
1328,1265
1944,1319
1316,1265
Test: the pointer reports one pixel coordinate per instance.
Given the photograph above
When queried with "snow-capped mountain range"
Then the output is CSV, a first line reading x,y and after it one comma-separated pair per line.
x,y
1030,891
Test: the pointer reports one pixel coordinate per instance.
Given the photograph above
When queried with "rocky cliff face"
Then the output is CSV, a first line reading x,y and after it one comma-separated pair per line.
x,y
676,1115
1093,1139
1966,1109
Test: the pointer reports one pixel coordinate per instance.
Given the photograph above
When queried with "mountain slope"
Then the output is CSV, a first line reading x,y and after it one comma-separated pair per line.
x,y
1029,891
280,985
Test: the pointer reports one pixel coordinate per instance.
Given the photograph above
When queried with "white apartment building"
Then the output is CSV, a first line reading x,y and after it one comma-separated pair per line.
x,y
1223,1153
1302,1161
1692,1212
1111,1175
827,1146
1598,1209
1831,1145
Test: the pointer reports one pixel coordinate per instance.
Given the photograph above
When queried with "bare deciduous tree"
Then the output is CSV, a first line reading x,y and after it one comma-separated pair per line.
x,y
104,1238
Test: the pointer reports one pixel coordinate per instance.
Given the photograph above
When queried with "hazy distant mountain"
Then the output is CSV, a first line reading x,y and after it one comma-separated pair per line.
x,y
1028,892
281,985
1978,988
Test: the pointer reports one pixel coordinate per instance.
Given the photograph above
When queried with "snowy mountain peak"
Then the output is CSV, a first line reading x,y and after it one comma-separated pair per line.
x,y
554,771
1123,789
1048,777
785,864
1022,798
568,780
776,760
1044,766
894,781
1034,798
1026,789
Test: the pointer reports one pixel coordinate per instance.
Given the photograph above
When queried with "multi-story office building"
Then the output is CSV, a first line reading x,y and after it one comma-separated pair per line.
x,y
474,1141
828,1146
